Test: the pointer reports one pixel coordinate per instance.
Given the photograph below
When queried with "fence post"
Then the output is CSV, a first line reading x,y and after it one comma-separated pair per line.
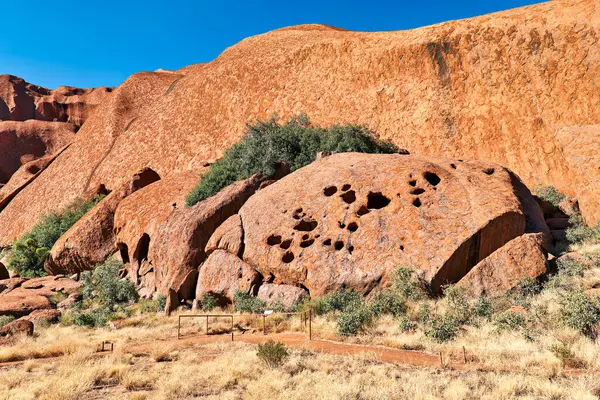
x,y
207,325
179,328
264,324
310,324
232,328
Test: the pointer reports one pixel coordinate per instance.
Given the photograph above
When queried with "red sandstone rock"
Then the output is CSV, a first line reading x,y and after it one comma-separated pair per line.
x,y
523,257
69,301
179,245
92,239
22,303
23,142
223,274
3,273
492,88
342,223
286,295
18,327
46,316
172,302
229,236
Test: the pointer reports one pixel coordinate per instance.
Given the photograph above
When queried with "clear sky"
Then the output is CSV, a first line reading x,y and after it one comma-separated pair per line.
x,y
89,43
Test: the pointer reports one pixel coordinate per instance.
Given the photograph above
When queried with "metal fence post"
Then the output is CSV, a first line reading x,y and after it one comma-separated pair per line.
x,y
310,324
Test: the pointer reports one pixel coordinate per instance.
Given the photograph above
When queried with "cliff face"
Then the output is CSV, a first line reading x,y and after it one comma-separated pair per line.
x,y
497,88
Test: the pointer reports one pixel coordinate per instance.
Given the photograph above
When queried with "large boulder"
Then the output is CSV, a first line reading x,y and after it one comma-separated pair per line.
x,y
501,271
22,303
286,295
180,242
350,220
18,327
92,239
223,274
229,236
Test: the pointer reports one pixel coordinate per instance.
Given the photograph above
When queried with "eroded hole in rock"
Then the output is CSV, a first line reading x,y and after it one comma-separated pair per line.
x,y
327,242
417,191
350,249
144,178
362,211
341,225
376,201
307,243
453,166
352,226
33,169
412,183
288,257
305,236
317,236
329,191
141,250
432,178
349,197
417,202
489,171
297,214
306,225
402,248
346,187
273,240
338,245
124,251
286,244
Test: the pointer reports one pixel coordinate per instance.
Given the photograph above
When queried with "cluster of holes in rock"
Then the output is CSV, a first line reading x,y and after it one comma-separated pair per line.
x,y
432,178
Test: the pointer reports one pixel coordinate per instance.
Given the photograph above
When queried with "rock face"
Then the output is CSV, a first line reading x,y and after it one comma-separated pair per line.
x,y
523,257
342,223
19,327
92,239
179,245
223,274
21,101
286,295
491,88
23,142
229,236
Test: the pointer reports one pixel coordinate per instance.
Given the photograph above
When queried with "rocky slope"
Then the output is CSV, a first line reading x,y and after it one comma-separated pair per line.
x,y
498,88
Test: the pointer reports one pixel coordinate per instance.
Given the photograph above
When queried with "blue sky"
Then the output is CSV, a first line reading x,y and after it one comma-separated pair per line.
x,y
92,43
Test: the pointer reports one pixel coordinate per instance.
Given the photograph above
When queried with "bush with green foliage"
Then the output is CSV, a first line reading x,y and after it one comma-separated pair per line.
x,y
407,286
442,329
550,194
524,291
161,302
30,251
354,319
579,232
272,353
6,319
295,142
104,286
483,308
387,302
567,269
459,308
580,312
246,303
208,302
509,321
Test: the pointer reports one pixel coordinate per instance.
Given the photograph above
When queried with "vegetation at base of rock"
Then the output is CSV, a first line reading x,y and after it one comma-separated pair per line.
x,y
208,302
550,194
580,312
29,253
105,296
579,232
243,302
6,319
272,353
295,142
161,302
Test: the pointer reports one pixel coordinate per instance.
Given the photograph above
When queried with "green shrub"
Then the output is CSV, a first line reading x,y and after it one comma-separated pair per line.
x,y
30,251
483,308
387,302
246,303
509,321
580,312
408,325
161,302
458,302
104,286
147,306
272,353
406,286
6,319
550,194
579,232
295,142
353,319
337,301
95,318
208,302
525,289
442,329
567,269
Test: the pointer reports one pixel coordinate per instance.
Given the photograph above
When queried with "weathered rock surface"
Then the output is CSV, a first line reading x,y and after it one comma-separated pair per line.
x,y
286,295
22,303
46,316
522,257
21,101
92,239
18,327
492,88
342,223
180,242
23,142
223,274
138,219
229,236
3,273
